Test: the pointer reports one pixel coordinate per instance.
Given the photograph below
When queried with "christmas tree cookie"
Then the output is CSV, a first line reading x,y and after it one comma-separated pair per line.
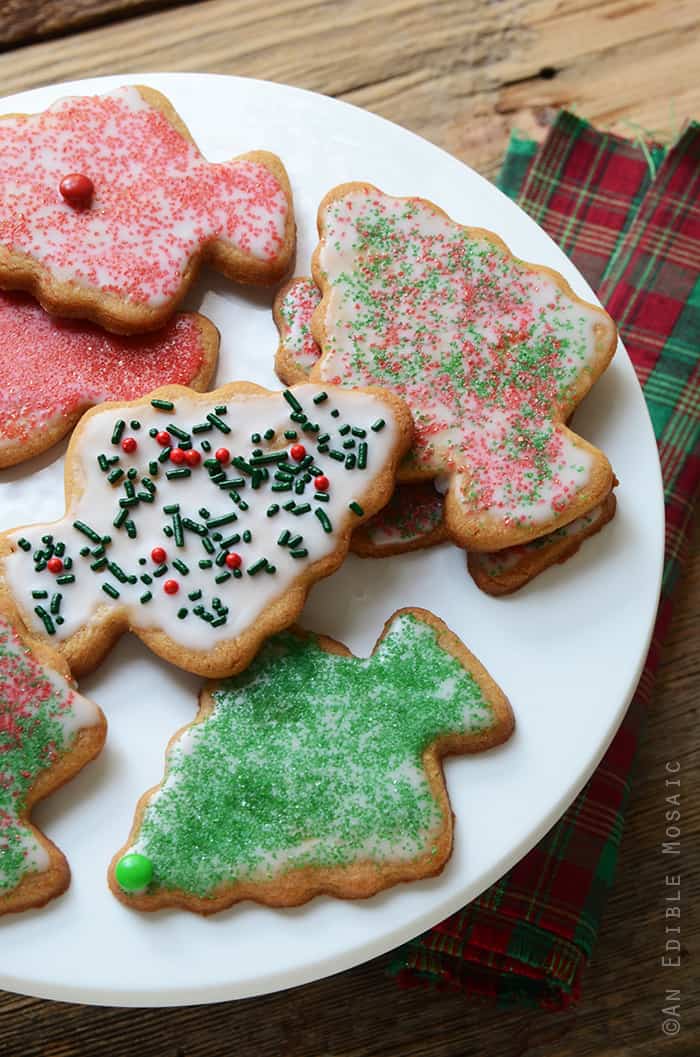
x,y
52,370
413,518
107,209
48,732
491,354
297,351
313,772
503,572
200,521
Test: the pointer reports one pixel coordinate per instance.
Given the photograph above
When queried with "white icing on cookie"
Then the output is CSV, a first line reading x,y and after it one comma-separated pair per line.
x,y
213,505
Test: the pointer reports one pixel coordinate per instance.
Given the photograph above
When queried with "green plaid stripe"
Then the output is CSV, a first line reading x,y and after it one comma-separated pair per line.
x,y
557,191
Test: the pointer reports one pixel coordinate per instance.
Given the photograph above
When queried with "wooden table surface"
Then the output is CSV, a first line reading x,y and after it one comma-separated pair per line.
x,y
462,73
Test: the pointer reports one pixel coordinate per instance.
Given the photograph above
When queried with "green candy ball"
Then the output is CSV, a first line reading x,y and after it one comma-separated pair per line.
x,y
134,872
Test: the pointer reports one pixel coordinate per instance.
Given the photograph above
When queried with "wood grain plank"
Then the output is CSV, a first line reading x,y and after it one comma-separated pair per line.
x,y
460,72
26,21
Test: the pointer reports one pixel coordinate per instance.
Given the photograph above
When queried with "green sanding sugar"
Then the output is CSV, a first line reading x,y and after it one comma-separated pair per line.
x,y
31,739
310,758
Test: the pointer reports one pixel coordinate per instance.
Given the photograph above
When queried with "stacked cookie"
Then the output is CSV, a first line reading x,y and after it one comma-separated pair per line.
x,y
429,377
491,354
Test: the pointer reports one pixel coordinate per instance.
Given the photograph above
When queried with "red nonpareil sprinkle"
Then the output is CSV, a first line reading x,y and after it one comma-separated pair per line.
x,y
321,483
54,565
177,456
171,587
233,560
222,455
129,445
158,555
77,189
163,438
193,457
297,451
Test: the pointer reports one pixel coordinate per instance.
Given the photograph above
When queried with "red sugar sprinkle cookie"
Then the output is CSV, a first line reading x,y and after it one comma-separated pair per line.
x,y
52,370
107,209
491,354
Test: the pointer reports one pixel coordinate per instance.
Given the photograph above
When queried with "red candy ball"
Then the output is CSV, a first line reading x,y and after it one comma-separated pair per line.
x,y
77,189
297,451
192,457
233,560
129,445
163,438
158,555
222,455
54,565
321,483
177,456
171,587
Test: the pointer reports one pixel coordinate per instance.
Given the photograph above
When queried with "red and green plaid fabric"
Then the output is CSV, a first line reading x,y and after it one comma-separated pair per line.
x,y
629,218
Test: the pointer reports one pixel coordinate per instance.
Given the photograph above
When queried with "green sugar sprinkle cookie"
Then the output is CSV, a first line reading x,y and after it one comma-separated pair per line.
x,y
313,771
47,733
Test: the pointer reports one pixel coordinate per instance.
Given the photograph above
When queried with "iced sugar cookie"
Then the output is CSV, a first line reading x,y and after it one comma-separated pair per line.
x,y
413,518
293,310
107,209
502,572
200,521
54,369
48,732
490,353
314,771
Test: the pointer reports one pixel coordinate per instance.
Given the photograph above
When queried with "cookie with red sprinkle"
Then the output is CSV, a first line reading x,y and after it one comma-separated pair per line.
x,y
48,732
413,518
505,571
204,536
108,208
491,354
53,370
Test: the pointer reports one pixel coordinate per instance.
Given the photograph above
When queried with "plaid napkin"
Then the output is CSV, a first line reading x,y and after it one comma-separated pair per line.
x,y
628,215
